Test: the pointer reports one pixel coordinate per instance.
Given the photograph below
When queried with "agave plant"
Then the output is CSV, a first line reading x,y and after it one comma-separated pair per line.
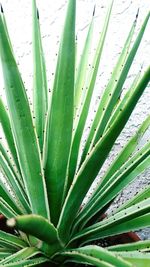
x,y
48,175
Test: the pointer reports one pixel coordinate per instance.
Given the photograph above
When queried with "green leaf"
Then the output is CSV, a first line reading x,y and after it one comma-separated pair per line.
x,y
40,90
139,246
6,209
3,255
121,103
32,262
82,68
113,89
5,122
94,255
133,218
20,255
7,196
120,180
40,228
14,184
60,118
10,163
22,128
122,157
144,194
137,259
83,111
5,26
127,151
12,240
95,160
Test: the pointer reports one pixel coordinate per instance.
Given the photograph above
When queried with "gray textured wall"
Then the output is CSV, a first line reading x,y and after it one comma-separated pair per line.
x,y
18,14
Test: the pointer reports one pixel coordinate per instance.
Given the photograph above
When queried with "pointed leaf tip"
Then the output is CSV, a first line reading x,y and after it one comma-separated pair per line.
x,y
94,10
137,14
38,16
2,10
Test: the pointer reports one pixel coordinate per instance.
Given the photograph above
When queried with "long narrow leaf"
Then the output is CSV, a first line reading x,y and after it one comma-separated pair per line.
x,y
123,156
12,240
144,194
22,128
10,163
39,227
97,256
3,255
6,209
121,103
7,196
139,246
82,69
137,259
117,182
12,181
113,90
22,254
127,151
60,118
84,110
132,218
40,89
33,262
5,122
93,163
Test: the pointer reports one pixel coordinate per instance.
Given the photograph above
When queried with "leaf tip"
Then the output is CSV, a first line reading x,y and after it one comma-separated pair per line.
x,y
94,10
1,7
38,17
11,222
137,14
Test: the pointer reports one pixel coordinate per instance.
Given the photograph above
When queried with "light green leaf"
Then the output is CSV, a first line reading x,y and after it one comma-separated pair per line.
x,y
22,128
20,255
82,68
6,209
120,180
40,90
139,246
14,184
113,89
25,263
60,117
5,122
137,259
95,160
132,218
13,240
83,110
97,256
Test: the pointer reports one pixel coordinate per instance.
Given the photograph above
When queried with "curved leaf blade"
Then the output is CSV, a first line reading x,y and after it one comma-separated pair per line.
x,y
83,110
60,118
113,89
40,90
95,160
22,128
97,256
40,228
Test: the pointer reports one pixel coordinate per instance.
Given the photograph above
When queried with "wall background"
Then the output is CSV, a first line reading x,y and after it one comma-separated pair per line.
x,y
18,15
